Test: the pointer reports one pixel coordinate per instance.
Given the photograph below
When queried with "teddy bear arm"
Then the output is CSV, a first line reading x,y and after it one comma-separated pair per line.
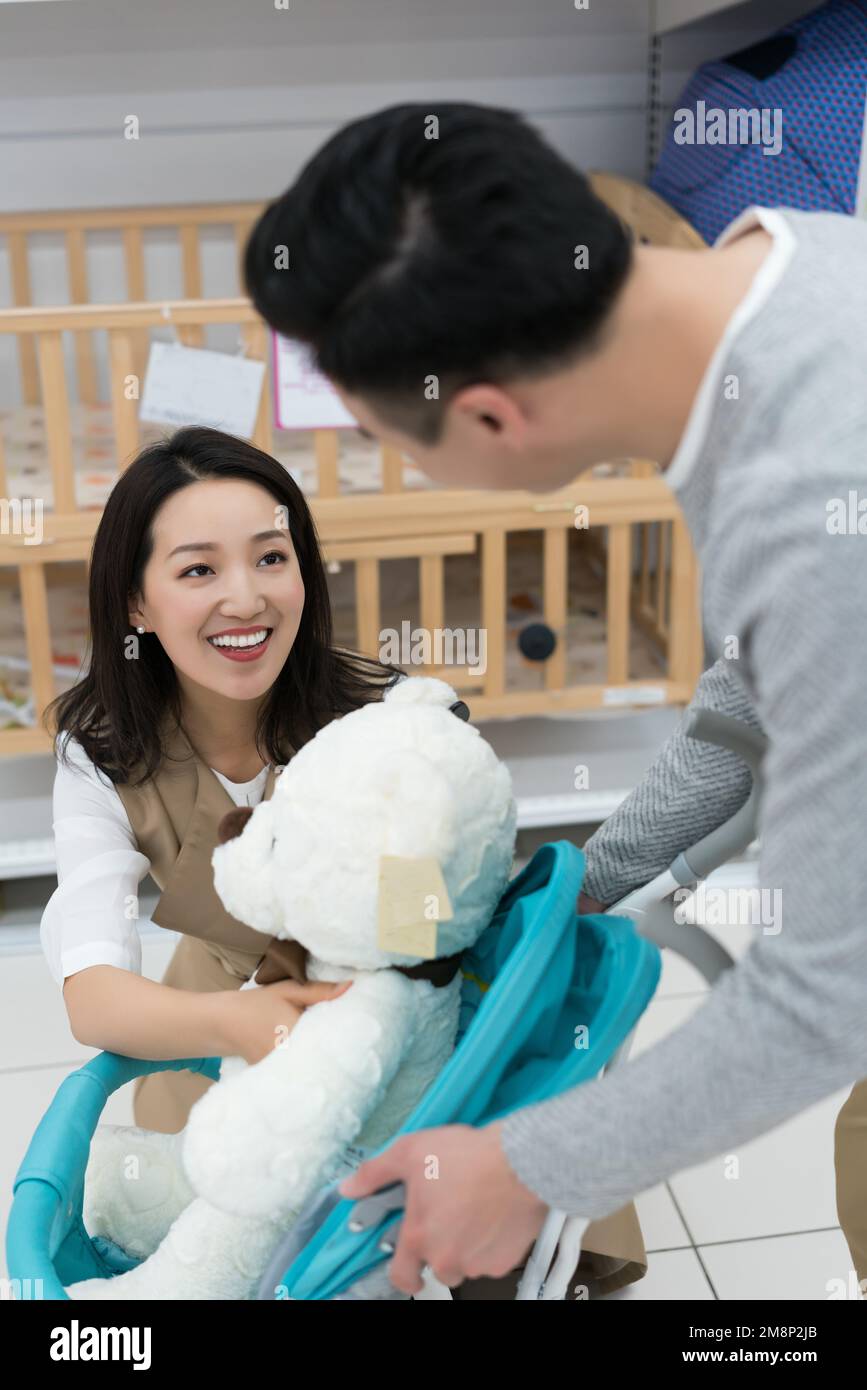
x,y
264,1142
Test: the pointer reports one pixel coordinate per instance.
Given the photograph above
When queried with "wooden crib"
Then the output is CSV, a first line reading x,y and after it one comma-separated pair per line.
x,y
638,545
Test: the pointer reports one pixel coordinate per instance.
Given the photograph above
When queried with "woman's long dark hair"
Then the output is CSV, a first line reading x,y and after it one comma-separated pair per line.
x,y
116,710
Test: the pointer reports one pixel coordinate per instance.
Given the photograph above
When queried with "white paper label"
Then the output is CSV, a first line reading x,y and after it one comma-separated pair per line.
x,y
634,695
304,399
191,386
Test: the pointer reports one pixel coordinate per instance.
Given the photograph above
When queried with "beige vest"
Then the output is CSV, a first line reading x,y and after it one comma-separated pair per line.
x,y
174,818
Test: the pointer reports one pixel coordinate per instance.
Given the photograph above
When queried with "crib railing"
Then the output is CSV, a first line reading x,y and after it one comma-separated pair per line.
x,y
459,521
650,218
125,326
366,530
20,233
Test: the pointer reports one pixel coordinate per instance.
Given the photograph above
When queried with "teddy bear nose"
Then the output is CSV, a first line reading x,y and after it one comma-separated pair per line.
x,y
233,823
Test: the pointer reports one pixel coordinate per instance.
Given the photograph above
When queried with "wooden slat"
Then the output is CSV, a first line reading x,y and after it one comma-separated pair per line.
x,y
19,271
254,338
242,234
133,259
326,449
153,215
459,677
662,577
4,481
446,509
556,577
85,365
644,573
392,470
514,704
55,404
494,608
124,411
617,603
15,550
367,606
151,314
685,646
134,265
432,590
191,262
439,510
401,548
34,603
191,266
19,743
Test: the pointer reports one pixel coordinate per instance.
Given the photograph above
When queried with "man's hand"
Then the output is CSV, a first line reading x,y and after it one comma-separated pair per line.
x,y
588,905
467,1215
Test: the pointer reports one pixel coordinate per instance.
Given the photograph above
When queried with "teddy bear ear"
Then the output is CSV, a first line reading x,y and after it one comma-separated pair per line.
x,y
421,690
233,823
243,869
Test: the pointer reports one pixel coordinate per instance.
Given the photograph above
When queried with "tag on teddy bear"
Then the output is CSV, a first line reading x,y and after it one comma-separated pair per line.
x,y
412,898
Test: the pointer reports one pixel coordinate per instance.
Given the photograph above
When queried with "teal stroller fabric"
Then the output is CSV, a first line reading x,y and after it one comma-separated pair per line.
x,y
547,999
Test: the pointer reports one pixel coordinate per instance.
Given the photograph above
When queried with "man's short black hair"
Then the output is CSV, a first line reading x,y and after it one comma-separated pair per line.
x,y
430,246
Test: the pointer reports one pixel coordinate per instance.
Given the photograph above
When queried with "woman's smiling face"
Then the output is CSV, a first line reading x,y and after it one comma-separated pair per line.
x,y
223,567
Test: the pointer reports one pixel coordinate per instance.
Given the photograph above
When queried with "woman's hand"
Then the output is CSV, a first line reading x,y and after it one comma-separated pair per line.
x,y
255,1021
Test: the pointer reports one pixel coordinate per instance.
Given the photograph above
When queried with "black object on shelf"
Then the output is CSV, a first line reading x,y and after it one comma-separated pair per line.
x,y
537,641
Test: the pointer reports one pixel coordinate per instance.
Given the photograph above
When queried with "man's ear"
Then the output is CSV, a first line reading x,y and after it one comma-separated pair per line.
x,y
232,823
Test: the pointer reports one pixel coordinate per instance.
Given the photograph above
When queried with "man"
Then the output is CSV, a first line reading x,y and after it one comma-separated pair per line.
x,y
433,257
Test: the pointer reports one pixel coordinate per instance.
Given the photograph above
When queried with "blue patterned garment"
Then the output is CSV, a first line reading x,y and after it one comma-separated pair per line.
x,y
814,73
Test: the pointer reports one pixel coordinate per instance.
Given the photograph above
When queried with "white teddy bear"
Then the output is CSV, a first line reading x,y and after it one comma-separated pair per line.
x,y
393,828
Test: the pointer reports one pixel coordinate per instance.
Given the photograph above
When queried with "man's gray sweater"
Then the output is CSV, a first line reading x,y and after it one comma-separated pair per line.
x,y
769,473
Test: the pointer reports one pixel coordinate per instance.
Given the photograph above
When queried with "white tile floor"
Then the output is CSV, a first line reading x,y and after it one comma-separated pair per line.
x,y
770,1233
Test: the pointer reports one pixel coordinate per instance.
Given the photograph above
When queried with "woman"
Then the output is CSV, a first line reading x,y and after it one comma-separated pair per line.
x,y
212,661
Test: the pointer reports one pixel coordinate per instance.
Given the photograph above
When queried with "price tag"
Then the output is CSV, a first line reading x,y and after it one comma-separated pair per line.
x,y
634,695
191,386
304,398
413,897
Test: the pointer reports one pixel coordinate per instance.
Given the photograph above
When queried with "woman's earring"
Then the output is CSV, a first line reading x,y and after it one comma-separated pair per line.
x,y
139,629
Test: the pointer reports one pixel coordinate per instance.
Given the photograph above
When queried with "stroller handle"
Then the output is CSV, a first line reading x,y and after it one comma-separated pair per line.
x,y
731,838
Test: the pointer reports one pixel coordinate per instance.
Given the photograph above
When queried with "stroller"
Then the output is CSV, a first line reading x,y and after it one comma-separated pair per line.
x,y
537,976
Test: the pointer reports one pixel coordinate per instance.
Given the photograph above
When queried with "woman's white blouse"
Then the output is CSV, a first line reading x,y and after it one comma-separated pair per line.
x,y
90,918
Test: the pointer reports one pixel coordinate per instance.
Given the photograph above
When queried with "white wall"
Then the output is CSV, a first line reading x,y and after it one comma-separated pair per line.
x,y
232,97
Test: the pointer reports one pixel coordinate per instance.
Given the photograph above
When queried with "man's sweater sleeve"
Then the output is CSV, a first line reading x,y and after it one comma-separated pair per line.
x,y
689,789
787,1025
